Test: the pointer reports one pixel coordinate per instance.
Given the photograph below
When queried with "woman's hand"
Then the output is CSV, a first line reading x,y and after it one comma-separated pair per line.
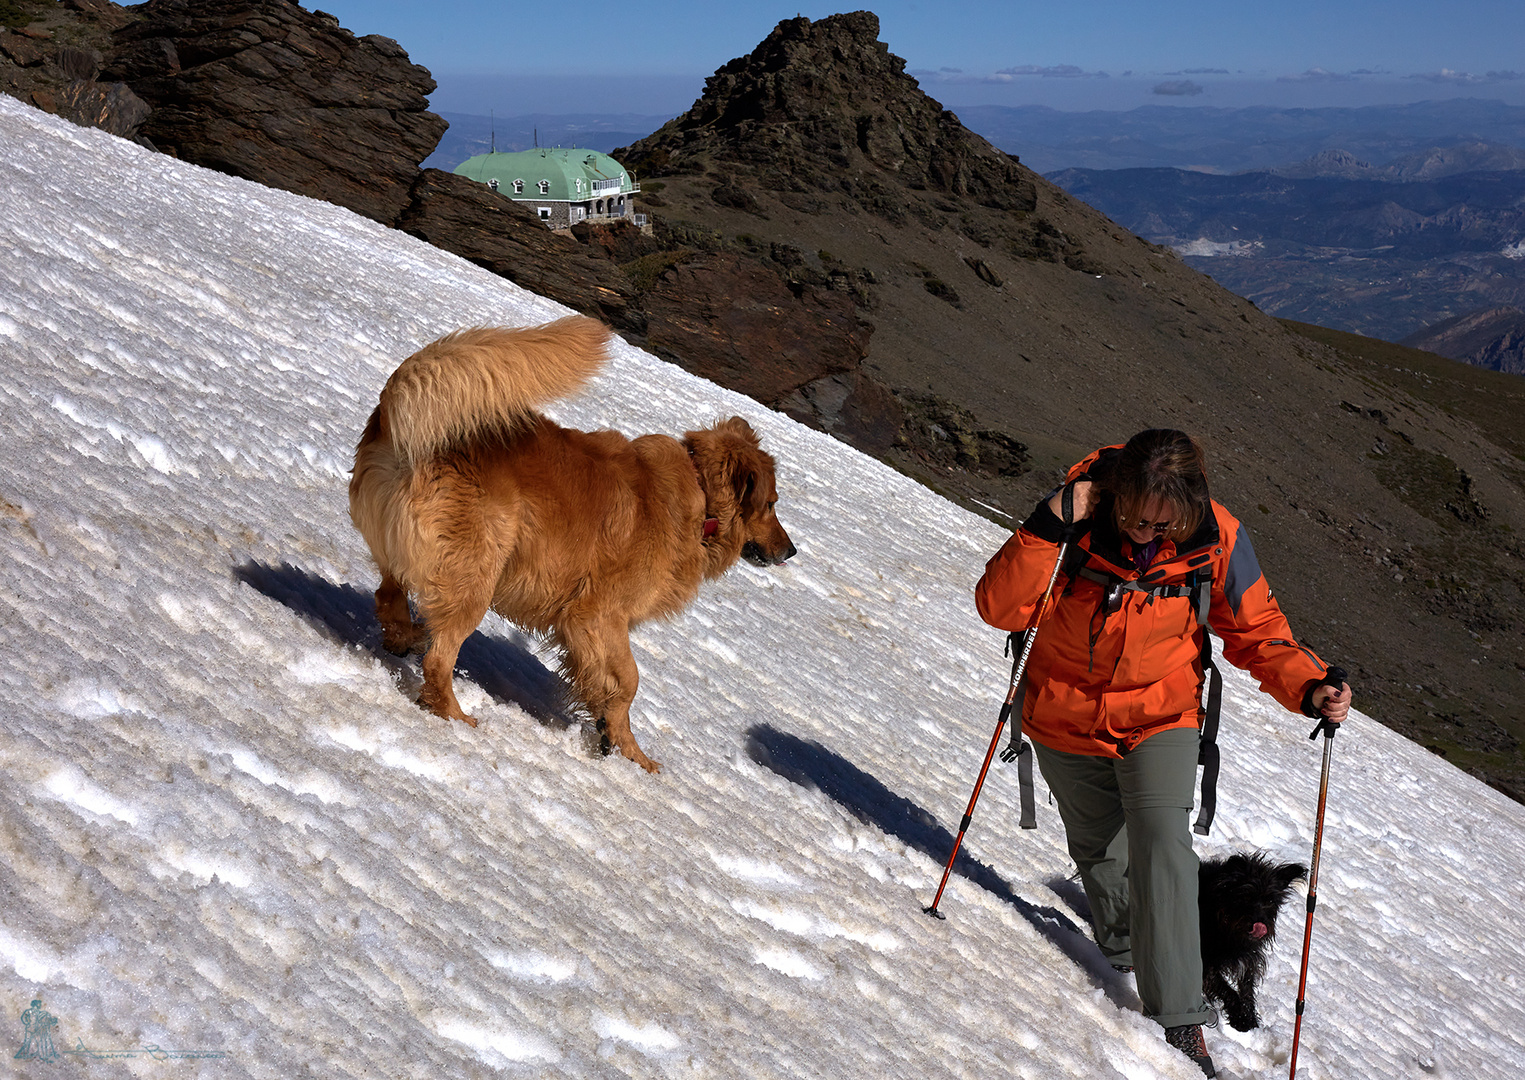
x,y
1086,498
1332,705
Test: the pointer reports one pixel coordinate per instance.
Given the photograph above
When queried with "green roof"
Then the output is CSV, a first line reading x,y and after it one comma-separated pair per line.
x,y
568,175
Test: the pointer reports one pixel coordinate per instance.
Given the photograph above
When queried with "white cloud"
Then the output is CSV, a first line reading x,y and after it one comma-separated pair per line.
x,y
1316,75
1446,75
1060,71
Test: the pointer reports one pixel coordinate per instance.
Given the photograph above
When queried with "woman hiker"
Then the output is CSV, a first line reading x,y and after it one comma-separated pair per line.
x,y
1114,690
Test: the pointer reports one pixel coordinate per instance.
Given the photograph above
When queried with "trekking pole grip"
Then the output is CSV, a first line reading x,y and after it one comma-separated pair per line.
x,y
1335,677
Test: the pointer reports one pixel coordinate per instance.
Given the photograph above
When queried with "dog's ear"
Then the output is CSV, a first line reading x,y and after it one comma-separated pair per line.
x,y
745,482
1287,873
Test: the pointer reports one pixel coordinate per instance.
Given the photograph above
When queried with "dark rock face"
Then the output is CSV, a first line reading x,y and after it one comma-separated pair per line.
x,y
269,91
734,321
943,434
111,107
826,106
855,408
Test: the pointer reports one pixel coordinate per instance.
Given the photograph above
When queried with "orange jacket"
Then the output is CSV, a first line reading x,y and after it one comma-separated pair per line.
x,y
1099,682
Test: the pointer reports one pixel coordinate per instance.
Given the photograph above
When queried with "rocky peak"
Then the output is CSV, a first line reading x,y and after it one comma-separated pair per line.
x,y
825,106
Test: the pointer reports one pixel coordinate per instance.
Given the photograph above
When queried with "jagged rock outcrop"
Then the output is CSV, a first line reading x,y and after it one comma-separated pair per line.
x,y
272,92
825,106
52,59
1341,164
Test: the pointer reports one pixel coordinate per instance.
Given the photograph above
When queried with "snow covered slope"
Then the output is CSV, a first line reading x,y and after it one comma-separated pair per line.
x,y
226,829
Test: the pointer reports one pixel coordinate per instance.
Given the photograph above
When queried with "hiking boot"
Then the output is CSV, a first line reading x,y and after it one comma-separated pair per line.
x,y
1188,1039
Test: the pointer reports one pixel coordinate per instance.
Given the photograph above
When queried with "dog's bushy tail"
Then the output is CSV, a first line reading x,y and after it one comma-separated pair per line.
x,y
486,379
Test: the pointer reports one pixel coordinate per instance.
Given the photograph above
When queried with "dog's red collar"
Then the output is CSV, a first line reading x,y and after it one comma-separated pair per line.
x,y
711,523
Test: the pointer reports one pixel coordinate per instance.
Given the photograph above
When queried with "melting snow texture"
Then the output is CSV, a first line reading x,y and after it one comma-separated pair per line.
x,y
228,829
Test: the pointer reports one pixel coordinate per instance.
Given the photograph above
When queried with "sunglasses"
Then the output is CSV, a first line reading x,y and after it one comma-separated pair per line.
x,y
1159,528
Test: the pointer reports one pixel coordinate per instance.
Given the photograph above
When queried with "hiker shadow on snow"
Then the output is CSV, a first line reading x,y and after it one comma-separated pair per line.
x,y
507,670
811,765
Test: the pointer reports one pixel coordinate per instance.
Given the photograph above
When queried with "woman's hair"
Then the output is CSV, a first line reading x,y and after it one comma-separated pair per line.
x,y
1162,464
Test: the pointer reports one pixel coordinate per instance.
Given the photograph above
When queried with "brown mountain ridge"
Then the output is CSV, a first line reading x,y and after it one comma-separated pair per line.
x,y
832,241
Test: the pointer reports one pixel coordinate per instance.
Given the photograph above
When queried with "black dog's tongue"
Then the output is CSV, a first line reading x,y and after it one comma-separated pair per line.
x,y
1258,931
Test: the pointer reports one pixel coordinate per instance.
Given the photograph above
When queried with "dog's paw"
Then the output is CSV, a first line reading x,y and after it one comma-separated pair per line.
x,y
1241,1021
447,710
626,747
635,755
401,642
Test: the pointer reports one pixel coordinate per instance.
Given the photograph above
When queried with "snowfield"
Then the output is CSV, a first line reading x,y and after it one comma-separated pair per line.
x,y
228,831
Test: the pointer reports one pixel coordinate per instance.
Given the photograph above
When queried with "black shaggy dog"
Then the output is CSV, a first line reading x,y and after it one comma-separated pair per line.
x,y
1239,897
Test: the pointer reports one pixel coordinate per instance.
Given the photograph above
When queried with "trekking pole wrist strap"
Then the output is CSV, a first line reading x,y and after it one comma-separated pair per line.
x,y
1018,749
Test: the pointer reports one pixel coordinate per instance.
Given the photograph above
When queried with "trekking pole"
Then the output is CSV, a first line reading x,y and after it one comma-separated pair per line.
x,y
1335,677
1016,680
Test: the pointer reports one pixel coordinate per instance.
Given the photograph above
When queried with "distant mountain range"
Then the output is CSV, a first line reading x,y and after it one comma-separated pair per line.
x,y
470,135
1493,339
1429,164
1237,140
1376,256
1429,136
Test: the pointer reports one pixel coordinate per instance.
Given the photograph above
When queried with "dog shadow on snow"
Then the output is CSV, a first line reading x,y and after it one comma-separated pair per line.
x,y
506,670
811,765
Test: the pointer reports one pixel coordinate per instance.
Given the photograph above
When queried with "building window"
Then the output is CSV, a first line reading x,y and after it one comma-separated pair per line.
x,y
518,187
545,187
493,183
545,213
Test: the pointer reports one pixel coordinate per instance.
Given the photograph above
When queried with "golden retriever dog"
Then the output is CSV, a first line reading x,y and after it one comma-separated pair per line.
x,y
470,499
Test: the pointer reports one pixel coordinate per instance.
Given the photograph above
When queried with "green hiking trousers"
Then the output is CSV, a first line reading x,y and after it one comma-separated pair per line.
x,y
1127,822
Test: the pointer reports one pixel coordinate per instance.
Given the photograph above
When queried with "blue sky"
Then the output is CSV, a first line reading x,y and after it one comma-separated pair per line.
x,y
607,57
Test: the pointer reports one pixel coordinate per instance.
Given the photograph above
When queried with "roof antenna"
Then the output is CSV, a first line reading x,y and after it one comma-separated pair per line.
x,y
492,126
537,138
